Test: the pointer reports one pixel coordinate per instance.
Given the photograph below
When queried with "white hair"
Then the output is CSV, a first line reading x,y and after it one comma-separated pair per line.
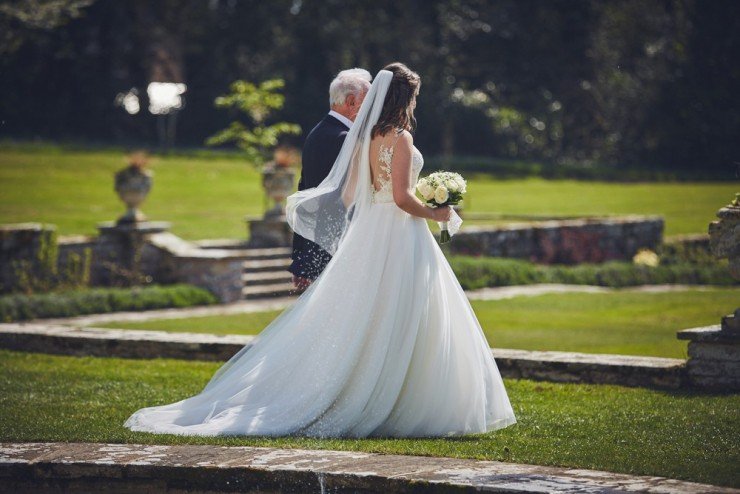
x,y
350,81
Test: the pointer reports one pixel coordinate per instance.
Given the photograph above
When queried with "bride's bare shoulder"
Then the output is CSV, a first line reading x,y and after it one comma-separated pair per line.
x,y
404,144
406,138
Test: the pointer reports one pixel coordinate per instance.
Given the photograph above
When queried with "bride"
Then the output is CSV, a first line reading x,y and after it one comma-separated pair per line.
x,y
384,342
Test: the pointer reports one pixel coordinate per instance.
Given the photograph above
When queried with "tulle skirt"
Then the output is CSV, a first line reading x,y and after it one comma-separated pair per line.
x,y
384,343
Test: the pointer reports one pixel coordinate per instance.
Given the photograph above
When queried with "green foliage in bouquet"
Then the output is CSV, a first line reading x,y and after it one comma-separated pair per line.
x,y
258,102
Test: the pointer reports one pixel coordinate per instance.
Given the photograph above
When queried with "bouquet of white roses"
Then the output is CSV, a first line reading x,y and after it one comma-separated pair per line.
x,y
442,189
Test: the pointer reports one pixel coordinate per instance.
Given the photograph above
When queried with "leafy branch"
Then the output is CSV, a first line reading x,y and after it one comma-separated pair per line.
x,y
258,102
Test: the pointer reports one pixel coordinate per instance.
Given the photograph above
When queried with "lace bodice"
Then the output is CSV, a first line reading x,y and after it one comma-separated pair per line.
x,y
385,157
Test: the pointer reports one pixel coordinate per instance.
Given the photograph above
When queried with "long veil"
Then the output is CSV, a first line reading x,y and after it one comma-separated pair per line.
x,y
323,214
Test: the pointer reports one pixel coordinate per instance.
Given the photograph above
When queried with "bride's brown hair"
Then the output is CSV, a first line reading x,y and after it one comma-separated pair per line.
x,y
397,112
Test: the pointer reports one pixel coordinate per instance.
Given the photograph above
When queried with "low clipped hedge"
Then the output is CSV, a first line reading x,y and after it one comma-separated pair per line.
x,y
101,300
480,272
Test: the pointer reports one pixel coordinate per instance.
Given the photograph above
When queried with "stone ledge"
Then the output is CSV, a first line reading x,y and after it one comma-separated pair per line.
x,y
91,467
594,368
98,342
569,367
182,249
708,334
76,240
141,227
29,226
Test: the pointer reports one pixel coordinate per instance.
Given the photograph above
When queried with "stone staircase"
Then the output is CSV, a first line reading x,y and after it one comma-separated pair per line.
x,y
264,270
265,273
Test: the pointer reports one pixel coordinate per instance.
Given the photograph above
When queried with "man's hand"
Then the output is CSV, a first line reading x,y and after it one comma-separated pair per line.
x,y
301,283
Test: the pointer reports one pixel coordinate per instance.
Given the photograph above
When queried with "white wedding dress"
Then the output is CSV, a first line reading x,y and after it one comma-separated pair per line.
x,y
383,343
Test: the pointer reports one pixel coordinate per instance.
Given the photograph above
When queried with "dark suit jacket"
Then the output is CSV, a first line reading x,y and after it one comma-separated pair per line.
x,y
319,153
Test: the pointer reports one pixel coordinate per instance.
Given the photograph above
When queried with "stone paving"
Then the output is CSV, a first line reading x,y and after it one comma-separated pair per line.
x,y
91,467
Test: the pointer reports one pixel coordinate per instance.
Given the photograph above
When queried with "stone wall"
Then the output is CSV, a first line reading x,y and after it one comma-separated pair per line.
x,y
145,252
25,247
563,242
217,270
121,253
73,250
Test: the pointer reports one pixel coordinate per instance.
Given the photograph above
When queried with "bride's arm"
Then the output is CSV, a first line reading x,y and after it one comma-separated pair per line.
x,y
403,190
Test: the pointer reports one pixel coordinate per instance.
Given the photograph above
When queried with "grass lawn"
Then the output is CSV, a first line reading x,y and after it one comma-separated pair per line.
x,y
207,196
686,207
622,322
202,197
678,434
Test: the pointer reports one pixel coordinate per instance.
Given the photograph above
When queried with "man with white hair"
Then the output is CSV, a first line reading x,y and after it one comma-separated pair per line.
x,y
320,150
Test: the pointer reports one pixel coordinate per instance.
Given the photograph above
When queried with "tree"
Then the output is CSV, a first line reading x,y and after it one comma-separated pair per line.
x,y
258,102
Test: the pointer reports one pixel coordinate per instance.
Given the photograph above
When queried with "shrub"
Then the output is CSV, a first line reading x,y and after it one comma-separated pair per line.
x,y
480,272
689,249
20,307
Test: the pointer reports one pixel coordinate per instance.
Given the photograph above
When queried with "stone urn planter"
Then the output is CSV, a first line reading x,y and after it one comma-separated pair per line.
x,y
278,182
133,184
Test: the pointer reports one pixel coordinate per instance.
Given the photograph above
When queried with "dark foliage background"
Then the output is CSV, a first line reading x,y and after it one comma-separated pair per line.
x,y
647,83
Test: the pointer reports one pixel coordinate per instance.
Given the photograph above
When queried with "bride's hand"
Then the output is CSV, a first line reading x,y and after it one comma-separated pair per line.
x,y
441,213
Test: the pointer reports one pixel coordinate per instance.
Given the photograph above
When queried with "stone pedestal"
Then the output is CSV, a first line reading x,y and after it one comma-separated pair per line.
x,y
269,232
714,355
272,230
714,351
120,255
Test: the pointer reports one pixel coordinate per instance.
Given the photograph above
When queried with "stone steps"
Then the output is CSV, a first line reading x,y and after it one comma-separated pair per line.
x,y
266,275
238,247
268,253
566,367
258,265
42,468
268,290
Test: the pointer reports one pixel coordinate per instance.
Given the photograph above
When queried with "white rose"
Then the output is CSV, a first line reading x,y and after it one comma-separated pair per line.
x,y
461,185
452,185
441,194
426,190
